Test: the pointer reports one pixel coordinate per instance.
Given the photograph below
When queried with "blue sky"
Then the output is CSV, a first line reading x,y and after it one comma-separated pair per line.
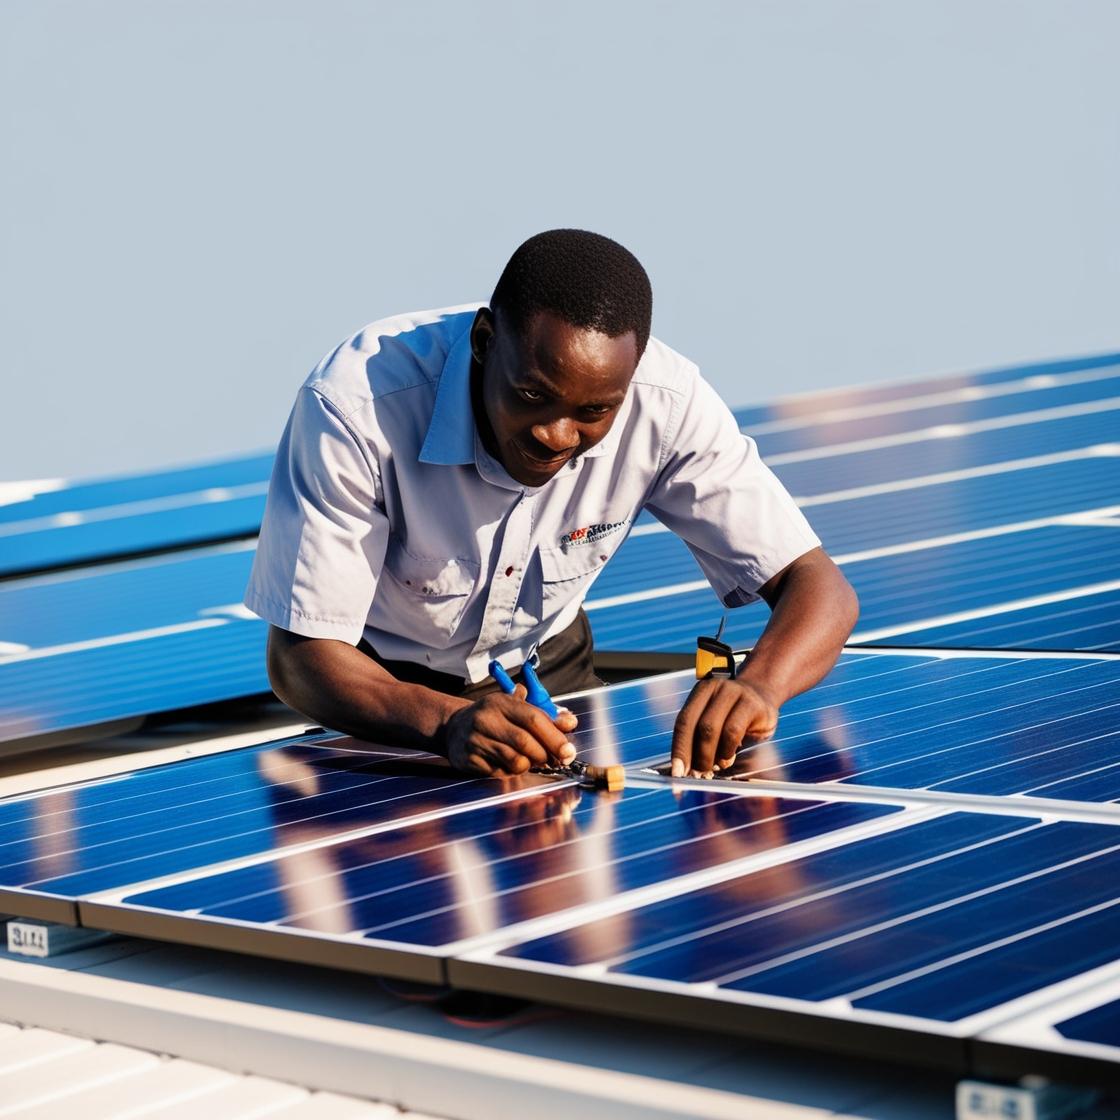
x,y
200,198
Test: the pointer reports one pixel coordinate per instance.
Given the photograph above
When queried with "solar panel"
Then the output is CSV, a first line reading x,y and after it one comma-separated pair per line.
x,y
401,901
902,592
205,661
790,911
108,601
907,515
60,844
929,930
1045,727
84,521
1083,622
977,451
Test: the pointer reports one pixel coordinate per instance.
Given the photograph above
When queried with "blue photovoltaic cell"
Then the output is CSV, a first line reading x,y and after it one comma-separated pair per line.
x,y
1088,622
959,412
809,404
922,458
443,881
1101,1025
967,725
193,814
112,517
883,933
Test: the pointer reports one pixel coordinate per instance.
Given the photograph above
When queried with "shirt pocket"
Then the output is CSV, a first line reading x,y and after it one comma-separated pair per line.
x,y
425,597
567,575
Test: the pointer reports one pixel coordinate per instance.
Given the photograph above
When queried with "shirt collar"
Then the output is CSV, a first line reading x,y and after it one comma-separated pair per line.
x,y
450,438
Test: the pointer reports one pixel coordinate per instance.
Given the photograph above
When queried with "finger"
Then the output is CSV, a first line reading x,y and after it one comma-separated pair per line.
x,y
476,763
685,726
540,727
524,743
709,727
735,728
504,758
520,691
566,720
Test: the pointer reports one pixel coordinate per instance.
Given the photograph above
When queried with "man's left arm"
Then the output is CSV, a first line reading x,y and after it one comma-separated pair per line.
x,y
814,609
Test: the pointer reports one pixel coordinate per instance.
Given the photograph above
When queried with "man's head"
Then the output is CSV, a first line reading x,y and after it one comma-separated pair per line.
x,y
555,351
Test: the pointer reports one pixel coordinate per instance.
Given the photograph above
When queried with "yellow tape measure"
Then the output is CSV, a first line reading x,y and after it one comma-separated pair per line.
x,y
714,658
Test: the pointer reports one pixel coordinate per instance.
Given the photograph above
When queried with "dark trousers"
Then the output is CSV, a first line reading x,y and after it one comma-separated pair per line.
x,y
565,666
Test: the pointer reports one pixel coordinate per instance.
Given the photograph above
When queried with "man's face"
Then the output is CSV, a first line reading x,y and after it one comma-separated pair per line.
x,y
549,393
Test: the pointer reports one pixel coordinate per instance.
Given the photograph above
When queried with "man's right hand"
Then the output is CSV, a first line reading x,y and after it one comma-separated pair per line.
x,y
502,734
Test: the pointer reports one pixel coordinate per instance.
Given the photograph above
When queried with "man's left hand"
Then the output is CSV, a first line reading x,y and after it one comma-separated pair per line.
x,y
721,715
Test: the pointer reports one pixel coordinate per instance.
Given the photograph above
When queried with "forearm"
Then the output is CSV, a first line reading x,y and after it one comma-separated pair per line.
x,y
814,612
337,685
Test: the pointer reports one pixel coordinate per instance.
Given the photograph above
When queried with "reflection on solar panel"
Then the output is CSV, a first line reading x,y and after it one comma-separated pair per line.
x,y
931,926
903,395
60,844
993,726
411,894
86,521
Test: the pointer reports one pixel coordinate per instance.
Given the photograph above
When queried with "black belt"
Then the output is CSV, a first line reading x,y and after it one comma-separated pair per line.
x,y
565,666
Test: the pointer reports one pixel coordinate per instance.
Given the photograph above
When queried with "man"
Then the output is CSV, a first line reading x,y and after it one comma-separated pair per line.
x,y
451,482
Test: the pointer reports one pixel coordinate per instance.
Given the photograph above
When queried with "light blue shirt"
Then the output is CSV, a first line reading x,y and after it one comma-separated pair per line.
x,y
387,518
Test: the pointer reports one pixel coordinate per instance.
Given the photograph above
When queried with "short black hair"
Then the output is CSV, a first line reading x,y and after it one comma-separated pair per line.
x,y
585,278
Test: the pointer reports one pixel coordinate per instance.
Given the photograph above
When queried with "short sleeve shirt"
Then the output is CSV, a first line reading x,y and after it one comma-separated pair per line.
x,y
387,519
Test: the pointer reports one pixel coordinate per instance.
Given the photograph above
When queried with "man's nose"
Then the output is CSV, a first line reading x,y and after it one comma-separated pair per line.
x,y
559,436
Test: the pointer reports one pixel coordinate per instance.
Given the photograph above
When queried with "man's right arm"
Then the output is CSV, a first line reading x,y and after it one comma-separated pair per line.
x,y
335,684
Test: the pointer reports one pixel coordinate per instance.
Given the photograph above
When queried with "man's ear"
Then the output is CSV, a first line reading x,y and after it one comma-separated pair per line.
x,y
482,334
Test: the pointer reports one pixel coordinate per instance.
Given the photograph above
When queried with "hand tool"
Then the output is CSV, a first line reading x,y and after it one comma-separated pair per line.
x,y
610,778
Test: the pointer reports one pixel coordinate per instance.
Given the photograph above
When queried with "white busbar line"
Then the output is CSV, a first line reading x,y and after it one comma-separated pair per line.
x,y
114,640
946,431
984,612
1100,450
68,518
932,400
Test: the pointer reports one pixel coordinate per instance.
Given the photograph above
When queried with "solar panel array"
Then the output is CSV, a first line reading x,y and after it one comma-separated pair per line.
x,y
922,864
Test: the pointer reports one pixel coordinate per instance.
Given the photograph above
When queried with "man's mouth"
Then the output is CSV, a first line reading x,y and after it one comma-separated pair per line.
x,y
542,462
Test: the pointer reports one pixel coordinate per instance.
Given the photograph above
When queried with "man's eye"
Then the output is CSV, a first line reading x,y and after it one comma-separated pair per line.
x,y
531,395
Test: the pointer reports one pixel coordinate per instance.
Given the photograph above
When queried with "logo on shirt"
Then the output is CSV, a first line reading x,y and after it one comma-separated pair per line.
x,y
590,535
